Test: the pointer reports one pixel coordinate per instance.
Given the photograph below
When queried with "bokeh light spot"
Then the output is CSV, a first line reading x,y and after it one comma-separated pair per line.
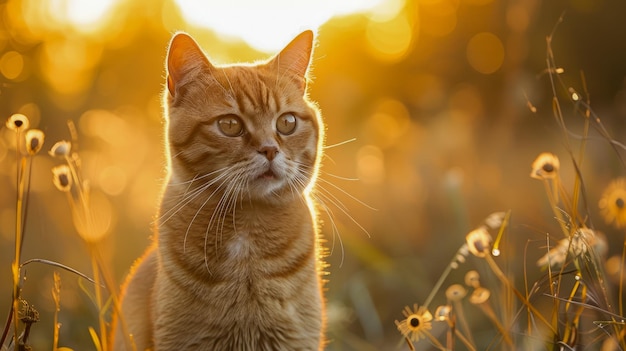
x,y
439,18
370,165
94,224
112,180
389,41
485,52
11,65
389,120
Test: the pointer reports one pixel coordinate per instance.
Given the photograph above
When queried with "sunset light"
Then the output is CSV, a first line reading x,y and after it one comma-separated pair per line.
x,y
267,25
431,112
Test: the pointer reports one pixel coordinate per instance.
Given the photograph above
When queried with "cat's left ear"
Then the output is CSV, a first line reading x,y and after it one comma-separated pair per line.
x,y
296,56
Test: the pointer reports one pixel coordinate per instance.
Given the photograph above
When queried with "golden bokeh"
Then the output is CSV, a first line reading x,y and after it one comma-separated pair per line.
x,y
485,52
426,110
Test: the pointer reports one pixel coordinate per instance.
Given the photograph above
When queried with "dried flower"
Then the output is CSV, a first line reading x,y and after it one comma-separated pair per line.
x,y
442,313
479,242
546,166
34,141
455,292
18,122
581,241
555,256
495,220
28,314
62,178
472,279
613,203
417,323
479,296
61,149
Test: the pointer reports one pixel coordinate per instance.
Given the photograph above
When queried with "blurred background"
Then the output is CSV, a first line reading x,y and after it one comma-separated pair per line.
x,y
434,97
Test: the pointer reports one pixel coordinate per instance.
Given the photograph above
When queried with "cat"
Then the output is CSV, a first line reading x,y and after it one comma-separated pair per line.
x,y
237,261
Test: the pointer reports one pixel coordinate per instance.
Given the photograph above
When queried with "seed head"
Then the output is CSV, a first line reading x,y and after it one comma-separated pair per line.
x,y
480,295
546,166
18,122
442,313
62,178
61,149
34,141
479,242
455,292
472,279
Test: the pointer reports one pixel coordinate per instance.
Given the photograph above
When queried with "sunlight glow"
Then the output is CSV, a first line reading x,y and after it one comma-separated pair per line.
x,y
84,15
268,25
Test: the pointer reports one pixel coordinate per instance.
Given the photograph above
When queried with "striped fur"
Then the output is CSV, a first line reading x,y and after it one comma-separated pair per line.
x,y
236,262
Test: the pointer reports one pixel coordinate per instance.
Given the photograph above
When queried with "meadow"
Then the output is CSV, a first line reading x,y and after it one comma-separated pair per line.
x,y
475,163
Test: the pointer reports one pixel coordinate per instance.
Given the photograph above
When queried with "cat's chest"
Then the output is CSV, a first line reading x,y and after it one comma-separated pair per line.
x,y
240,247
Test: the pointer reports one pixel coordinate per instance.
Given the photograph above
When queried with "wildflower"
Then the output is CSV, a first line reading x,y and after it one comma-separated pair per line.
x,y
455,292
442,313
472,279
478,242
18,122
62,178
613,203
34,141
546,166
417,323
61,148
479,296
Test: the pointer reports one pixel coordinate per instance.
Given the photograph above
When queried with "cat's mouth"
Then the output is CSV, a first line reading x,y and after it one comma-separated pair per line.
x,y
269,174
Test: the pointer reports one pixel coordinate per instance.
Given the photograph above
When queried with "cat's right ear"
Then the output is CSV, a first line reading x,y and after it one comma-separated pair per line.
x,y
184,58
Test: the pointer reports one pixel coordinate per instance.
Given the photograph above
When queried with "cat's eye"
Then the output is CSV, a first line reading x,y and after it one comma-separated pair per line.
x,y
230,125
286,123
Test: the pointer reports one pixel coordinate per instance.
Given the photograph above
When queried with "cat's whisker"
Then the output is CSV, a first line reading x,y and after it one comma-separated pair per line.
x,y
347,194
164,217
207,186
341,143
337,203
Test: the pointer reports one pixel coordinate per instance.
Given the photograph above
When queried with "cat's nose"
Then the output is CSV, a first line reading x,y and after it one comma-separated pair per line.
x,y
269,151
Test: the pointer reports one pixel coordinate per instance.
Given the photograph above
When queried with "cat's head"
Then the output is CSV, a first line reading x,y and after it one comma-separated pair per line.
x,y
249,128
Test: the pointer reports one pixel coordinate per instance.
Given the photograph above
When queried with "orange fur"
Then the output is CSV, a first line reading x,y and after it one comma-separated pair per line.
x,y
236,261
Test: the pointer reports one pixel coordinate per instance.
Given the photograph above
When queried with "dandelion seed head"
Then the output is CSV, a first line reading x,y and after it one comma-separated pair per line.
x,y
61,149
417,324
18,122
545,166
442,313
613,203
479,296
455,292
61,178
479,242
34,141
472,279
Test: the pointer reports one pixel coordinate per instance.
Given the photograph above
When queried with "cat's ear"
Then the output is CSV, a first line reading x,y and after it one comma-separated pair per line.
x,y
184,57
296,56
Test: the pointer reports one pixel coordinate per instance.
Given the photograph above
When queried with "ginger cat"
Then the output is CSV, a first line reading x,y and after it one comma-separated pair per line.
x,y
236,263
